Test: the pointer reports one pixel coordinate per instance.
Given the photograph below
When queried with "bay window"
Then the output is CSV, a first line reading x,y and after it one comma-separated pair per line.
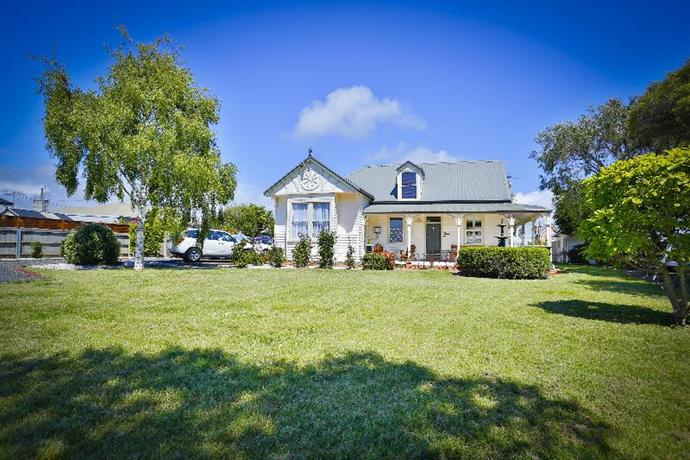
x,y
310,218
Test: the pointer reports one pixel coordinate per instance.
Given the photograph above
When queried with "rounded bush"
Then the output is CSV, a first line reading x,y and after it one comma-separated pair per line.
x,y
497,262
90,244
378,261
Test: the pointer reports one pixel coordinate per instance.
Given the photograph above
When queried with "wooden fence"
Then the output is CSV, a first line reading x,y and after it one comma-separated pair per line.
x,y
17,234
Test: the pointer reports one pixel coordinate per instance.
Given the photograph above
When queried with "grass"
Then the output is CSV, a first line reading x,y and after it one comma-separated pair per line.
x,y
313,363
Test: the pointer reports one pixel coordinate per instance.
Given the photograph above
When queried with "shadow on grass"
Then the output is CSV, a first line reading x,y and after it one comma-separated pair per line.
x,y
624,314
200,403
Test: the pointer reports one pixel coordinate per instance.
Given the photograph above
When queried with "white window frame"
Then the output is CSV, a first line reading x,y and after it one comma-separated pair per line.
x,y
418,183
474,230
402,221
310,215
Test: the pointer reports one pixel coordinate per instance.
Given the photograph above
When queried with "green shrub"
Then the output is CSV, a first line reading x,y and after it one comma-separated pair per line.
x,y
37,250
90,244
326,243
276,257
302,252
496,262
377,261
241,256
350,258
158,220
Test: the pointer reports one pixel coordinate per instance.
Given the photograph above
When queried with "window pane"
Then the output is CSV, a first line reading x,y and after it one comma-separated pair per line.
x,y
321,218
299,219
409,185
396,230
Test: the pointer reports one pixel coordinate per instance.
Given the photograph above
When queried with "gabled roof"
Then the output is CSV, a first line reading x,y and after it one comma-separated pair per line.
x,y
312,160
412,166
462,181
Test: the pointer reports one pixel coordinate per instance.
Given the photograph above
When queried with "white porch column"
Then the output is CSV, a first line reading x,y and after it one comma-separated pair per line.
x,y
459,220
534,231
524,236
511,230
409,220
363,242
547,220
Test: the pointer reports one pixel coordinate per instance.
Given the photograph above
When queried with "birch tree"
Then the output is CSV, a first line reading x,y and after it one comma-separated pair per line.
x,y
143,134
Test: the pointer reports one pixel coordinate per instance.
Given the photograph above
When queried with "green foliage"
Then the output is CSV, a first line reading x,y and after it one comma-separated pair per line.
x,y
660,118
37,250
640,213
241,256
144,133
250,219
350,262
276,257
496,262
90,244
326,242
572,151
157,222
376,261
301,254
576,254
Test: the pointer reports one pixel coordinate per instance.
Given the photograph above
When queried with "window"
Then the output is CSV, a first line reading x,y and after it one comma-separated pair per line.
x,y
396,230
322,218
299,220
310,219
409,185
473,233
192,233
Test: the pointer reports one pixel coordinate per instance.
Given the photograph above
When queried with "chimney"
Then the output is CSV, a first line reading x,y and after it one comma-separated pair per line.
x,y
40,204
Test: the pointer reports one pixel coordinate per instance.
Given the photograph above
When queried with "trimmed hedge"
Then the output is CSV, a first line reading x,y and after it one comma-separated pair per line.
x,y
376,261
497,262
90,244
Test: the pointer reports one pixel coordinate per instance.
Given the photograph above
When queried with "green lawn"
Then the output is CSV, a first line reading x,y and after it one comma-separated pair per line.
x,y
287,363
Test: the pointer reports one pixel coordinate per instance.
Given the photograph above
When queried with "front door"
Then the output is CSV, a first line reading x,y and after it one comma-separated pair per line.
x,y
433,235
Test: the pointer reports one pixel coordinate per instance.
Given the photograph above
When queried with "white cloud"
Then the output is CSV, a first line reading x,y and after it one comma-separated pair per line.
x,y
537,197
419,154
353,112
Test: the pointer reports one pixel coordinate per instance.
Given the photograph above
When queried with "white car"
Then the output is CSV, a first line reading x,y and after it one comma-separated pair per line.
x,y
217,244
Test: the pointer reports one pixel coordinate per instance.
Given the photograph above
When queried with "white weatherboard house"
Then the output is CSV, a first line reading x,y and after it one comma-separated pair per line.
x,y
426,210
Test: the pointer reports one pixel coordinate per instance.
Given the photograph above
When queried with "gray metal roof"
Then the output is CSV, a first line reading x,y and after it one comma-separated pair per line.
x,y
458,181
404,207
4,202
33,214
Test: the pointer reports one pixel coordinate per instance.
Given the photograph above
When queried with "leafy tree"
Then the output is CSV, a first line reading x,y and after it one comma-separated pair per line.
x,y
157,223
144,134
250,219
660,118
572,151
326,241
640,212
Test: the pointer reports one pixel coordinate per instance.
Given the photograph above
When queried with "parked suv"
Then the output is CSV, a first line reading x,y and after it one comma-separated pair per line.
x,y
217,244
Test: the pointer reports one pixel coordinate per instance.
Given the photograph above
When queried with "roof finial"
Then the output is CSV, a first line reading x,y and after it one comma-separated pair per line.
x,y
310,151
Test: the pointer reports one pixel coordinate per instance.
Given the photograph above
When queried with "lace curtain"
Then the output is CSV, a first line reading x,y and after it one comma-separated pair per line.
x,y
322,218
299,219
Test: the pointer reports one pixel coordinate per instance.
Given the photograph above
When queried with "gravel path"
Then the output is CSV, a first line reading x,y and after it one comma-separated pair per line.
x,y
12,269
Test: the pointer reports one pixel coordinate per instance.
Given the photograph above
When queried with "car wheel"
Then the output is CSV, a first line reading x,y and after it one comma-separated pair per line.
x,y
193,255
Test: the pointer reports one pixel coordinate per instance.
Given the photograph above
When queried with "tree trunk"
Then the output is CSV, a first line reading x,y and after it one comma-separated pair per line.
x,y
139,250
683,282
680,308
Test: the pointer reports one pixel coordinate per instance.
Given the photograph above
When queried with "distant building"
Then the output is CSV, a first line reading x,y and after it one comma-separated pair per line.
x,y
106,213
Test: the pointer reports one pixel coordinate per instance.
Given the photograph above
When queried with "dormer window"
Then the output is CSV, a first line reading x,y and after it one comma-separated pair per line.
x,y
409,185
409,181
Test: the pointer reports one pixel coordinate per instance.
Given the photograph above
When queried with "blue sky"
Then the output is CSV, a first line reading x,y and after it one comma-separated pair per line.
x,y
359,82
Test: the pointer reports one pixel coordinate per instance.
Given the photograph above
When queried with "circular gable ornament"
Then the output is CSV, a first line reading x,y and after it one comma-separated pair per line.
x,y
310,180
